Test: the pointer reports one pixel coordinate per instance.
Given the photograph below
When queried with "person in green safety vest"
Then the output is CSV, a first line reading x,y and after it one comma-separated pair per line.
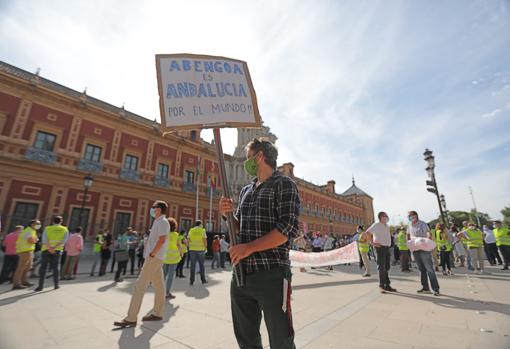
x,y
405,255
197,242
474,241
25,246
502,235
444,246
173,256
363,248
96,250
54,238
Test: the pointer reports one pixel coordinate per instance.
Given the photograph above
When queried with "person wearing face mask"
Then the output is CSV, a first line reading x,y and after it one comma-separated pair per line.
x,y
152,271
25,246
267,216
415,229
379,237
502,235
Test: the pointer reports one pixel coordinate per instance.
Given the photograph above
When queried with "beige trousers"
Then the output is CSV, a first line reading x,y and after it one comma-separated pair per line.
x,y
476,255
152,272
366,261
435,258
24,264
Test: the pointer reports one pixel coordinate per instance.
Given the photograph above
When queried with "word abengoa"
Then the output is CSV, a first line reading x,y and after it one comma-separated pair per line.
x,y
205,66
198,91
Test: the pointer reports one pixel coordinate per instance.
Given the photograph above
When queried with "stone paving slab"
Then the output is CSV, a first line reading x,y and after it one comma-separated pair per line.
x,y
332,309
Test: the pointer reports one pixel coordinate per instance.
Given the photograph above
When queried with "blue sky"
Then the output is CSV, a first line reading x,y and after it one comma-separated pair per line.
x,y
349,87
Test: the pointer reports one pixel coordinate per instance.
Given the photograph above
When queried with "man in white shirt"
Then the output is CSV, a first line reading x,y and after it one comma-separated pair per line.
x,y
491,250
223,251
152,271
379,237
415,229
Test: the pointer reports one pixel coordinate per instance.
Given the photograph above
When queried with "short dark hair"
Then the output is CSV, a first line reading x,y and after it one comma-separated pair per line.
x,y
57,219
163,206
78,229
380,214
267,148
34,221
198,222
413,213
173,224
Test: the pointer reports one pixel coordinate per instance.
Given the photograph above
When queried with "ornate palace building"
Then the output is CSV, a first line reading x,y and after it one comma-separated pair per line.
x,y
101,166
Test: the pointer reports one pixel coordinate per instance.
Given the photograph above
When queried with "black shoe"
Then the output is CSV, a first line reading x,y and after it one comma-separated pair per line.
x,y
205,282
56,287
38,289
424,291
436,293
382,289
27,284
191,283
390,289
505,268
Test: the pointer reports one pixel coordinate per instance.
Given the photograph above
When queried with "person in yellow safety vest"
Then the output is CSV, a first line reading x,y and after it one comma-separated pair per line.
x,y
96,250
54,238
363,248
25,246
474,241
405,255
197,242
444,247
502,236
435,254
173,256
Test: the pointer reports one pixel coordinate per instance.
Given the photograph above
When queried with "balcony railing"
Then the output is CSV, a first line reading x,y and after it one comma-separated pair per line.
x,y
189,187
129,175
89,166
161,182
39,155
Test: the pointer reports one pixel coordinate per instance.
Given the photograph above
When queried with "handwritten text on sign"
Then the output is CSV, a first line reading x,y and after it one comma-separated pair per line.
x,y
205,90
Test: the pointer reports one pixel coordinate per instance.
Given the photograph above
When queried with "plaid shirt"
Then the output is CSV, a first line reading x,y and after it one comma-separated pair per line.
x,y
273,204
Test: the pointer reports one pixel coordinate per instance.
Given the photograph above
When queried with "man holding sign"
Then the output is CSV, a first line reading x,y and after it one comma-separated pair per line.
x,y
268,217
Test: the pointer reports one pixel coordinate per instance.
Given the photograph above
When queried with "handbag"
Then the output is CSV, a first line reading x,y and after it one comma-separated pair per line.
x,y
121,256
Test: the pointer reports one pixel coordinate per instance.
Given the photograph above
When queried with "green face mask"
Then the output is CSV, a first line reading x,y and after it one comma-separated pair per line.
x,y
251,167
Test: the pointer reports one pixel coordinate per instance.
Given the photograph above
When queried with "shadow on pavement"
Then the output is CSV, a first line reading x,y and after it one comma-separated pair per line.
x,y
128,340
460,303
13,299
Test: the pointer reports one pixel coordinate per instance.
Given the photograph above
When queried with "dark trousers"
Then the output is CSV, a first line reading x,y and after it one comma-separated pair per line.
x,y
396,254
444,256
195,256
180,266
132,254
426,266
8,268
405,260
121,267
505,252
491,251
51,260
263,292
113,263
223,258
383,265
104,264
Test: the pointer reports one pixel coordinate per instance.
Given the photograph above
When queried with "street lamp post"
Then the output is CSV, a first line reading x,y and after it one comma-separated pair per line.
x,y
432,183
443,204
88,180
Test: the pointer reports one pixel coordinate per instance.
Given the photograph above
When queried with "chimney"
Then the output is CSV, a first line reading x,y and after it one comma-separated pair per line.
x,y
331,187
287,169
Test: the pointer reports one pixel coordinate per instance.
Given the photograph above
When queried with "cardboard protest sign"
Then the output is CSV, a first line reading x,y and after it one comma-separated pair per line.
x,y
199,91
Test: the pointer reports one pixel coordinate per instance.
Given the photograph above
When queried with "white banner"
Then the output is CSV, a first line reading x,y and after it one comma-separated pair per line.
x,y
199,91
346,254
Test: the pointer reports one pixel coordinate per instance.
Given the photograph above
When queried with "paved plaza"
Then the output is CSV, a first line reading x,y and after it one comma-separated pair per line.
x,y
332,309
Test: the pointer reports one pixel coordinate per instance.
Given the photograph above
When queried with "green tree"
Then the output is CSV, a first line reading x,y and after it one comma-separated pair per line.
x,y
506,215
460,216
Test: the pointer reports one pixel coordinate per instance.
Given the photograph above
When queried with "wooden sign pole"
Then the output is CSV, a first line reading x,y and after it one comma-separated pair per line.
x,y
233,229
